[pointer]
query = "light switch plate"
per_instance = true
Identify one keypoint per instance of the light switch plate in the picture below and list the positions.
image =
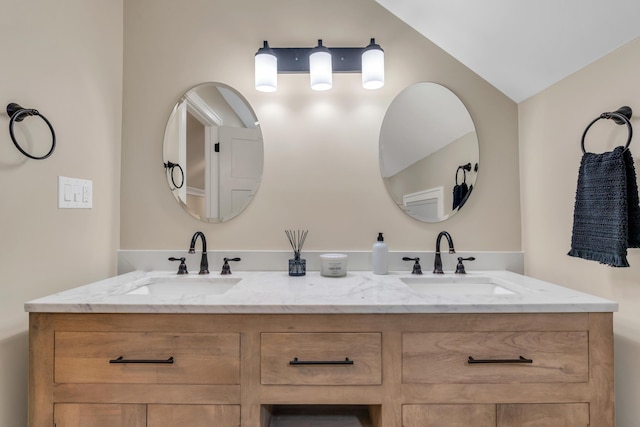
(75, 193)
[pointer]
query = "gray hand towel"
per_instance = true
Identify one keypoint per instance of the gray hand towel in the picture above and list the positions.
(606, 218)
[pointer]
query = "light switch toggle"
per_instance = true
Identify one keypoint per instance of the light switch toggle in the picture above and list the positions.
(68, 192)
(75, 193)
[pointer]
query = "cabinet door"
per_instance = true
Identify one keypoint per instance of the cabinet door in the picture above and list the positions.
(481, 415)
(194, 415)
(544, 415)
(100, 415)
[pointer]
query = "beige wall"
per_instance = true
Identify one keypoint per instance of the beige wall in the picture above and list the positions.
(551, 127)
(63, 58)
(321, 148)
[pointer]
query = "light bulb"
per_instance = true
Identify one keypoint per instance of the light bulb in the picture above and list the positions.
(266, 69)
(320, 68)
(373, 66)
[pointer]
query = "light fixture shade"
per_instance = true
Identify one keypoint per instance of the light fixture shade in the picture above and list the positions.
(373, 66)
(320, 68)
(266, 69)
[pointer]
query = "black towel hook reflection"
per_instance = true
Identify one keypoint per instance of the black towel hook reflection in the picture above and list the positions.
(18, 114)
(464, 168)
(169, 167)
(621, 116)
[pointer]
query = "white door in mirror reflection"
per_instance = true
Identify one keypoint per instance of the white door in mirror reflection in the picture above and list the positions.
(425, 205)
(238, 165)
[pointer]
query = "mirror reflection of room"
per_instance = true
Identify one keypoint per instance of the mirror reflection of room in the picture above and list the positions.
(428, 152)
(215, 137)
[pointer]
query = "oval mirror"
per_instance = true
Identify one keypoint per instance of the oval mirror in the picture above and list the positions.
(213, 152)
(429, 152)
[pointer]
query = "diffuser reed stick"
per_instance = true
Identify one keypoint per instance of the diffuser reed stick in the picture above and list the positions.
(296, 239)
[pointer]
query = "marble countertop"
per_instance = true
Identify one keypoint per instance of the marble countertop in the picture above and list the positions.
(359, 292)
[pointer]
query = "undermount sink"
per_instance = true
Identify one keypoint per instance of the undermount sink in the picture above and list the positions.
(457, 285)
(169, 286)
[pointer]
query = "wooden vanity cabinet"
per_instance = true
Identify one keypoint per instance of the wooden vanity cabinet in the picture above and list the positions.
(99, 415)
(321, 358)
(488, 415)
(476, 415)
(168, 358)
(547, 357)
(136, 415)
(392, 369)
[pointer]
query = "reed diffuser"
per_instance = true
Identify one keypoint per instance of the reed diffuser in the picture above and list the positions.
(297, 265)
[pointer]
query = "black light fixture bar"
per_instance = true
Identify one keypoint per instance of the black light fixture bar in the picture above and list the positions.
(294, 60)
(321, 63)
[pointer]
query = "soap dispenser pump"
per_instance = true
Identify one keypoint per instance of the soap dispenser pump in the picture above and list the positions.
(380, 256)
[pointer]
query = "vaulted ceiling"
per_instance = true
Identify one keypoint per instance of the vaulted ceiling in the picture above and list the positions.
(522, 47)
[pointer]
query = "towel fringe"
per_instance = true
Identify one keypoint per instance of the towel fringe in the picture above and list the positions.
(607, 259)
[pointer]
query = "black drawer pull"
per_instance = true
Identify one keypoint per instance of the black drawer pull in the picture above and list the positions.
(121, 359)
(346, 361)
(521, 359)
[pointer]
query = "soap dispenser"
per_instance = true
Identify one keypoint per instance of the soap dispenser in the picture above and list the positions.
(380, 256)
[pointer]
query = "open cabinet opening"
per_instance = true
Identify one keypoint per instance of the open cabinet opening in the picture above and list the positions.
(320, 416)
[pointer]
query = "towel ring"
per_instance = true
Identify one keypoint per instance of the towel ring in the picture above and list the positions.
(18, 114)
(621, 116)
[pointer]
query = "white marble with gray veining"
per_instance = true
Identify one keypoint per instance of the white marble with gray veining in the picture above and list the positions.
(359, 292)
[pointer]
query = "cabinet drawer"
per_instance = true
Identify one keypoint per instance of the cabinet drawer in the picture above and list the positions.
(321, 358)
(147, 358)
(556, 357)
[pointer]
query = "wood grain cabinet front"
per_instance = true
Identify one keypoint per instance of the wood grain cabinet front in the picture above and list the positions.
(476, 415)
(147, 358)
(100, 415)
(495, 357)
(321, 358)
(193, 415)
(256, 370)
(137, 415)
(544, 415)
(500, 415)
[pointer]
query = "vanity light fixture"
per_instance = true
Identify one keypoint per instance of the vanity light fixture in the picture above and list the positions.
(320, 62)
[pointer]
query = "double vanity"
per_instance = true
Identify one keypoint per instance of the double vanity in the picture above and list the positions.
(259, 349)
(263, 349)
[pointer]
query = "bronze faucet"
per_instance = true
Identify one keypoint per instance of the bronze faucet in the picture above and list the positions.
(204, 261)
(437, 263)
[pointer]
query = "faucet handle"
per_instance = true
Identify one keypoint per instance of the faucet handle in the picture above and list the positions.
(226, 269)
(182, 269)
(460, 266)
(416, 266)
